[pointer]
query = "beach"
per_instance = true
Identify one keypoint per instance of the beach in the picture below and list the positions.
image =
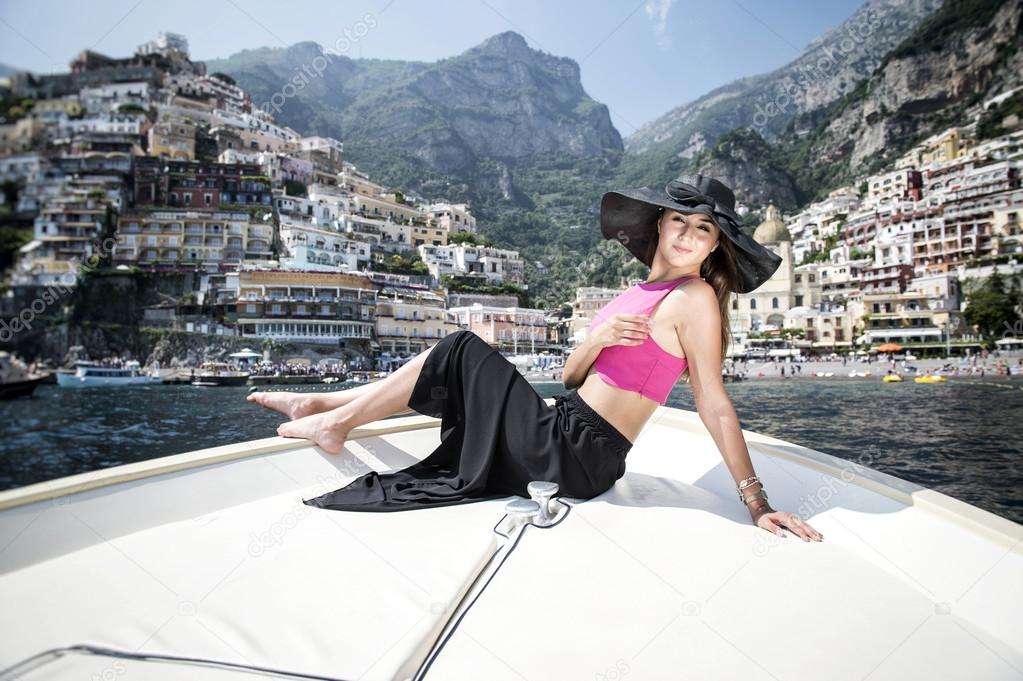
(753, 370)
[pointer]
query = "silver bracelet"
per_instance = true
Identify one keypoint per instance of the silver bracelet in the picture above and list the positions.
(748, 482)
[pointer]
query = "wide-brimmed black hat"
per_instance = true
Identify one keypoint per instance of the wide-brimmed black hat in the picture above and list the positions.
(630, 217)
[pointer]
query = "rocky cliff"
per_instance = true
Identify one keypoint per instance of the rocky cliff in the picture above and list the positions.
(963, 55)
(498, 101)
(828, 68)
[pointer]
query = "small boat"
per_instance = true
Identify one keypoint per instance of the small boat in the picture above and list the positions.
(929, 378)
(94, 374)
(15, 379)
(219, 374)
(207, 564)
(892, 378)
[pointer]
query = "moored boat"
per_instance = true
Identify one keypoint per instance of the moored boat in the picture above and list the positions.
(94, 374)
(219, 374)
(15, 378)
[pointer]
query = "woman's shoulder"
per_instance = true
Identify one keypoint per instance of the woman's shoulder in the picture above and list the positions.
(696, 290)
(693, 298)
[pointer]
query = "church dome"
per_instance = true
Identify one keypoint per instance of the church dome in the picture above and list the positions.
(772, 229)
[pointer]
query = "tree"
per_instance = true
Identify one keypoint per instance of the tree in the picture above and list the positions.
(992, 308)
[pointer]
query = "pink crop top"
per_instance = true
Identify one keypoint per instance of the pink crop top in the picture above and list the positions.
(646, 368)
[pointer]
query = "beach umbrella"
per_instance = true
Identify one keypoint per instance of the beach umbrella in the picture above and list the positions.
(889, 347)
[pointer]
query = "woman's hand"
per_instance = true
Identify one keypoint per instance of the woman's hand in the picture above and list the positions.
(622, 329)
(773, 521)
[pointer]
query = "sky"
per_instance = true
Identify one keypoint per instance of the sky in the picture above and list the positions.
(641, 58)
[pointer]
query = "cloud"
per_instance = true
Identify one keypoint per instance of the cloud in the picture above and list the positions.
(657, 11)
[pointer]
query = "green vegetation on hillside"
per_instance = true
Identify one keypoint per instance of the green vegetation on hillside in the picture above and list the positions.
(949, 21)
(993, 307)
(991, 121)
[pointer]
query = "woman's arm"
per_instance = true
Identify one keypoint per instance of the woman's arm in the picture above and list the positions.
(579, 362)
(700, 335)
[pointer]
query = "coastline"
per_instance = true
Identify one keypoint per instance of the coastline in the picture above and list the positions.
(992, 367)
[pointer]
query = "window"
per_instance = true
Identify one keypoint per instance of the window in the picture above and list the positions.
(774, 303)
(752, 303)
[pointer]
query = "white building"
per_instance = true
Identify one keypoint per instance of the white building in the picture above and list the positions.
(498, 265)
(765, 307)
(452, 217)
(320, 248)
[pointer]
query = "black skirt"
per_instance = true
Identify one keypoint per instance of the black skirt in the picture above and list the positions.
(497, 435)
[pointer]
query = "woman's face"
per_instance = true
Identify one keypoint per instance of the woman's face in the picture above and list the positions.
(686, 240)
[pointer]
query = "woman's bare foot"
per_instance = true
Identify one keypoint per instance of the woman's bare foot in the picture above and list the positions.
(292, 405)
(325, 430)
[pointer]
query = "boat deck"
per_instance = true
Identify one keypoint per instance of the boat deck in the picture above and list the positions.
(212, 555)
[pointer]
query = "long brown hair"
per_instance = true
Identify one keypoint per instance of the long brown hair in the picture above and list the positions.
(718, 269)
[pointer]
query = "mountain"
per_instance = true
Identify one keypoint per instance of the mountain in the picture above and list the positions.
(960, 57)
(427, 126)
(827, 69)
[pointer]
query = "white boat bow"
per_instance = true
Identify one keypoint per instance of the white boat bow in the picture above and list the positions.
(211, 556)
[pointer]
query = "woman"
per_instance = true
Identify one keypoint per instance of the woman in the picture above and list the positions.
(632, 356)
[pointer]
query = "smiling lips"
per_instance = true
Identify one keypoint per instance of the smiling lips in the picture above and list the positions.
(681, 250)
